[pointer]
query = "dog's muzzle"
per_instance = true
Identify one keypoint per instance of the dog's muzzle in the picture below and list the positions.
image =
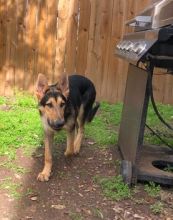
(56, 125)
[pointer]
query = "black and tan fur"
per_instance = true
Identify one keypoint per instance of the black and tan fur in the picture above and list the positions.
(68, 105)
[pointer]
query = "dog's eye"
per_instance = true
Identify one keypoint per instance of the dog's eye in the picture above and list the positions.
(62, 104)
(49, 105)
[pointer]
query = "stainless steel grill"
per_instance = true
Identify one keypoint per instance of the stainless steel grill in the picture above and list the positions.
(152, 28)
(152, 44)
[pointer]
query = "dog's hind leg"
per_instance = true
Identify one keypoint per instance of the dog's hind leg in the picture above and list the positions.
(45, 174)
(70, 143)
(80, 130)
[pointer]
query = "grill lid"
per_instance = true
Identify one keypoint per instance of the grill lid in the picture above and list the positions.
(157, 15)
(153, 29)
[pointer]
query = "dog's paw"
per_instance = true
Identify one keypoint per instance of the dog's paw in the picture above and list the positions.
(43, 177)
(77, 147)
(68, 153)
(76, 150)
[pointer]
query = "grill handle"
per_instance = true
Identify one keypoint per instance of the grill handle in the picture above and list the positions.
(139, 21)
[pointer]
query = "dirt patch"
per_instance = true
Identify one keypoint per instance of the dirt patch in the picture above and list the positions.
(4, 107)
(71, 193)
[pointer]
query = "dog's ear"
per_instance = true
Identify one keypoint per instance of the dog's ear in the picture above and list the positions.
(41, 86)
(63, 85)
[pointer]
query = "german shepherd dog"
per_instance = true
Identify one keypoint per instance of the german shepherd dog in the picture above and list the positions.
(68, 105)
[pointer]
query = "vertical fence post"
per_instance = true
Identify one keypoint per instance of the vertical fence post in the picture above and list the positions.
(62, 24)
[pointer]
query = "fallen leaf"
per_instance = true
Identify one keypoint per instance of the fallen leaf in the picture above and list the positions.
(90, 158)
(136, 216)
(34, 198)
(87, 211)
(118, 210)
(17, 176)
(38, 155)
(60, 207)
(28, 217)
(91, 142)
(80, 195)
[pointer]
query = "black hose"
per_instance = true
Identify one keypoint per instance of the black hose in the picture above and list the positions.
(158, 136)
(150, 72)
(150, 69)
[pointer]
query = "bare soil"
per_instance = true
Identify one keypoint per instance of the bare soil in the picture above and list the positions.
(71, 193)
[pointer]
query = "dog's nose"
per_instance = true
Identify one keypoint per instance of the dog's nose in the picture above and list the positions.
(59, 123)
(56, 125)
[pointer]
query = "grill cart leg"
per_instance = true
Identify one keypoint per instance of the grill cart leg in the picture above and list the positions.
(126, 171)
(140, 162)
(133, 121)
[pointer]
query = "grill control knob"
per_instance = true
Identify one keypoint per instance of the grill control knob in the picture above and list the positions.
(142, 48)
(129, 46)
(139, 48)
(136, 47)
(124, 45)
(120, 45)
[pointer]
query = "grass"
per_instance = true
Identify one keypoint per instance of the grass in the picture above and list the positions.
(105, 125)
(156, 125)
(11, 187)
(114, 187)
(9, 164)
(20, 127)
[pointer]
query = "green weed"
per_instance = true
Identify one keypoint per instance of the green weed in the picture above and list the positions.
(30, 192)
(152, 189)
(139, 201)
(168, 168)
(75, 216)
(157, 208)
(97, 213)
(114, 187)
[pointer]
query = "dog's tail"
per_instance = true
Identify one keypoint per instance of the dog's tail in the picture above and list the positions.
(92, 112)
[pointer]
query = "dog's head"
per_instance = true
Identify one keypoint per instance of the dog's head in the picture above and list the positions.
(52, 100)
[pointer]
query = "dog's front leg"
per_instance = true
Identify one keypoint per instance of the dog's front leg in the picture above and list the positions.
(45, 174)
(70, 143)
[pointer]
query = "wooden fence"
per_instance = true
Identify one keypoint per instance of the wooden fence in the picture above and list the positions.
(72, 36)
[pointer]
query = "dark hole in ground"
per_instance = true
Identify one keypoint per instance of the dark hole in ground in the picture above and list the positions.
(163, 165)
